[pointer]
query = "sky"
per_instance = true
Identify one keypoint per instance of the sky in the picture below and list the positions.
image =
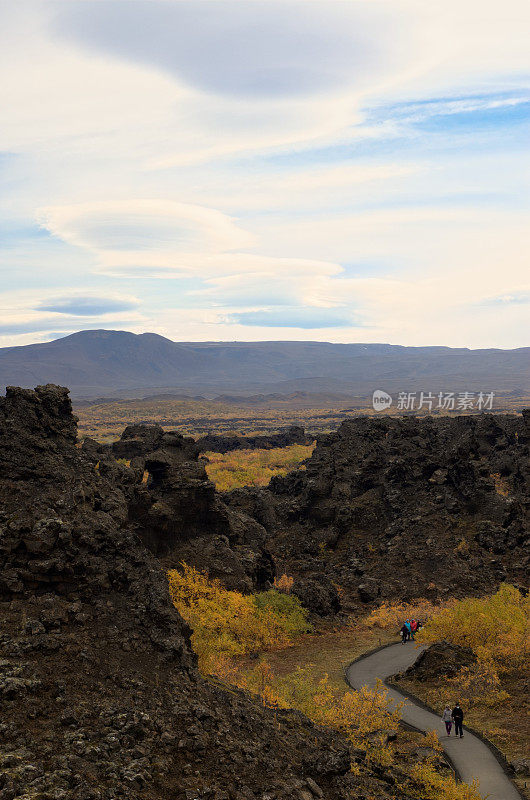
(347, 171)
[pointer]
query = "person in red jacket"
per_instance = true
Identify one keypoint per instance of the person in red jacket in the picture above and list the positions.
(413, 628)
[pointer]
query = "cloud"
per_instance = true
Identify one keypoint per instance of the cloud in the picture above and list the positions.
(41, 313)
(245, 49)
(231, 162)
(43, 325)
(141, 225)
(508, 299)
(87, 306)
(168, 239)
(302, 317)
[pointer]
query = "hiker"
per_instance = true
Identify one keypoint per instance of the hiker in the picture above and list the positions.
(404, 633)
(413, 628)
(458, 717)
(447, 717)
(409, 629)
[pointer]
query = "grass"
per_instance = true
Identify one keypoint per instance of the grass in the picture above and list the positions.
(327, 650)
(254, 467)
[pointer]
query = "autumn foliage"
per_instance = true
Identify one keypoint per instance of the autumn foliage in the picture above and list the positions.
(227, 623)
(364, 717)
(254, 467)
(497, 629)
(391, 617)
(284, 583)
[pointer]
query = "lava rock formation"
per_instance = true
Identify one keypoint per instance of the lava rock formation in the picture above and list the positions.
(100, 694)
(399, 508)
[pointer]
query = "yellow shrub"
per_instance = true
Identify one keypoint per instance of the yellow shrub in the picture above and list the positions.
(227, 623)
(254, 467)
(391, 617)
(432, 740)
(284, 583)
(358, 714)
(496, 628)
(428, 784)
(481, 680)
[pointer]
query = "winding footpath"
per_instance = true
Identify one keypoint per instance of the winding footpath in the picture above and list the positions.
(470, 756)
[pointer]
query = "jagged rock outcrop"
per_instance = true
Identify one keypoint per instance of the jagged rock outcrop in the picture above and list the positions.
(100, 695)
(138, 440)
(318, 594)
(225, 444)
(180, 517)
(64, 526)
(442, 659)
(395, 508)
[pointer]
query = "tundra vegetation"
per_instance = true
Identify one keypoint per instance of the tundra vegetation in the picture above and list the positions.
(254, 467)
(196, 416)
(228, 625)
(105, 420)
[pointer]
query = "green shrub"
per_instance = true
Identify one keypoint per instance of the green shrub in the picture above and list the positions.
(287, 610)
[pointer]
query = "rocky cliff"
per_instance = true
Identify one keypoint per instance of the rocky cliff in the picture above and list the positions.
(396, 508)
(100, 694)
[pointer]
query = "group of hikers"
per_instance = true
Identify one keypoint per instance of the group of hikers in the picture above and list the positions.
(408, 629)
(456, 716)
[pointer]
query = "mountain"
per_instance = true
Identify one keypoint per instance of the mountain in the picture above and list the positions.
(118, 363)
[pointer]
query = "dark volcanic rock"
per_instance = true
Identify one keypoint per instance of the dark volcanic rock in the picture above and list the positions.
(440, 659)
(64, 527)
(318, 595)
(180, 517)
(100, 696)
(396, 508)
(225, 444)
(138, 440)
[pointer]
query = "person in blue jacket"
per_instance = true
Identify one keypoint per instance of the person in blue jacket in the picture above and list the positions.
(409, 628)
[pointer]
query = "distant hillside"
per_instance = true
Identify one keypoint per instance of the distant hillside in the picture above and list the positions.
(118, 363)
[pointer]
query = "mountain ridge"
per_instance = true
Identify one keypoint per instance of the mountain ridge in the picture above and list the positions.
(116, 362)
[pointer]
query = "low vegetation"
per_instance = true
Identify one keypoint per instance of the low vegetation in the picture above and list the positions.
(227, 623)
(390, 617)
(363, 716)
(496, 628)
(228, 627)
(106, 420)
(493, 690)
(254, 467)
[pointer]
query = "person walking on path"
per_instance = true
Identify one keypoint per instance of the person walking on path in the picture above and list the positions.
(447, 717)
(458, 718)
(404, 633)
(409, 629)
(413, 628)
